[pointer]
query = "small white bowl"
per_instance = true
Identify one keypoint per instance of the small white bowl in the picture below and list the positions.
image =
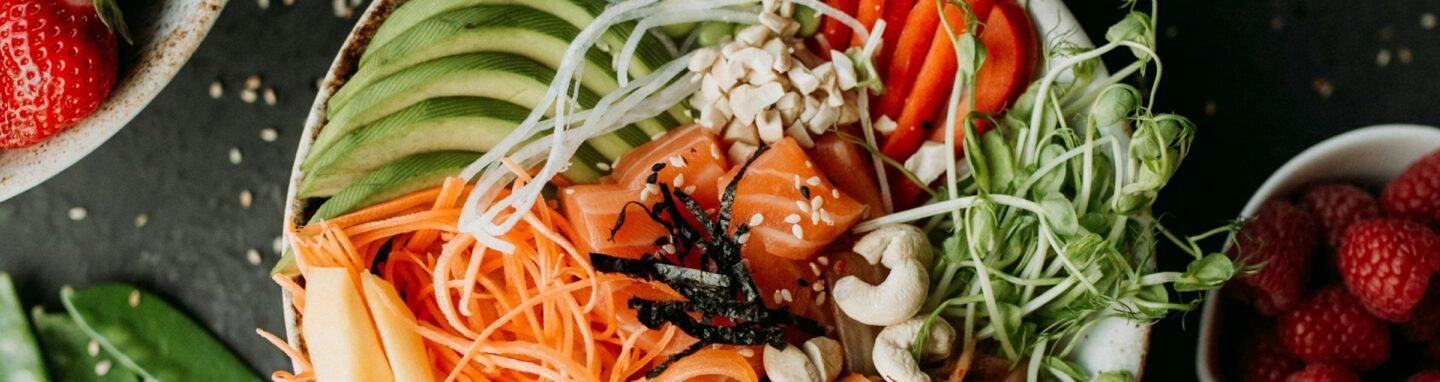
(166, 33)
(1370, 156)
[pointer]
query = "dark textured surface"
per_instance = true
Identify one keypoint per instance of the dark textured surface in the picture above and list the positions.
(1261, 65)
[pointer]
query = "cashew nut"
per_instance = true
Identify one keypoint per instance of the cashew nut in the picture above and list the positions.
(789, 365)
(892, 349)
(902, 248)
(819, 360)
(827, 356)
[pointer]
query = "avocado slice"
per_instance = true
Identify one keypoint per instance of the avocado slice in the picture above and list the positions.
(500, 76)
(439, 124)
(410, 174)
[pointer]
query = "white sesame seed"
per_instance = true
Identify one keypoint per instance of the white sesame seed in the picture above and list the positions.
(690, 189)
(264, 4)
(677, 161)
(246, 198)
(1383, 58)
(269, 134)
(835, 193)
(818, 287)
(77, 213)
(816, 202)
(825, 217)
(792, 219)
(253, 256)
(709, 211)
(235, 156)
(715, 151)
(814, 269)
(679, 180)
(569, 191)
(815, 217)
(278, 245)
(1404, 55)
(248, 96)
(134, 299)
(823, 260)
(786, 294)
(797, 231)
(141, 220)
(1427, 20)
(778, 298)
(808, 164)
(269, 97)
(602, 166)
(652, 188)
(804, 207)
(820, 300)
(103, 367)
(217, 90)
(252, 82)
(288, 2)
(668, 248)
(797, 181)
(645, 194)
(743, 238)
(813, 181)
(93, 348)
(747, 353)
(756, 220)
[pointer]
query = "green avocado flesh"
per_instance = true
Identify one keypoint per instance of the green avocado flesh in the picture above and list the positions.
(404, 176)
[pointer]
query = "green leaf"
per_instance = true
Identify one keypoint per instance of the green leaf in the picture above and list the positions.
(971, 54)
(1207, 273)
(981, 225)
(1135, 27)
(67, 351)
(110, 14)
(1000, 162)
(151, 337)
(1114, 105)
(1060, 214)
(20, 354)
(1051, 181)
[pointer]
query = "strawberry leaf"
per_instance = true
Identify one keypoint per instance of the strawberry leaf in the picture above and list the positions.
(110, 14)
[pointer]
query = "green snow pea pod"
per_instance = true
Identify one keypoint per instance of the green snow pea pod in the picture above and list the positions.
(68, 351)
(151, 337)
(17, 344)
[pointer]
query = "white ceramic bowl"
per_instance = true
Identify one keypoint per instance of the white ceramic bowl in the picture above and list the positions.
(1369, 156)
(1113, 345)
(166, 33)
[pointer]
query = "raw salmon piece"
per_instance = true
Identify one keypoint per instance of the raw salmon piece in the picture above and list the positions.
(593, 210)
(791, 226)
(692, 157)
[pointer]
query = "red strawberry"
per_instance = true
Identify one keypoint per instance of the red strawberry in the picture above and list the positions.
(1338, 205)
(1415, 194)
(1330, 326)
(1387, 264)
(1323, 372)
(1264, 359)
(1283, 238)
(1425, 376)
(58, 60)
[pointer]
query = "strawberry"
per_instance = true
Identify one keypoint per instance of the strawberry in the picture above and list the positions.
(1330, 326)
(1415, 194)
(1338, 205)
(1264, 359)
(1425, 376)
(1323, 372)
(1387, 264)
(58, 59)
(1283, 238)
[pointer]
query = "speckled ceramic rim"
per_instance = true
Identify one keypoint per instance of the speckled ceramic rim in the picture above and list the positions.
(175, 36)
(1371, 156)
(1120, 344)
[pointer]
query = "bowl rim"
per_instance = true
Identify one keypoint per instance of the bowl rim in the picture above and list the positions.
(1049, 17)
(1206, 361)
(157, 63)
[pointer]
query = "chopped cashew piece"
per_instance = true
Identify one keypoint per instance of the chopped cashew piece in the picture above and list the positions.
(885, 125)
(789, 365)
(902, 248)
(892, 356)
(827, 355)
(928, 163)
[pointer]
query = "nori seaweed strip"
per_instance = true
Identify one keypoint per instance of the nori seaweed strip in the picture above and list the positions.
(653, 315)
(692, 349)
(653, 270)
(727, 200)
(737, 311)
(620, 221)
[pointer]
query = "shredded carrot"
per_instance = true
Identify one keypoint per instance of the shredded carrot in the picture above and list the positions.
(539, 313)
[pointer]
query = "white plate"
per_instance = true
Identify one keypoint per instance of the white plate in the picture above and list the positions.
(1369, 156)
(166, 35)
(1113, 345)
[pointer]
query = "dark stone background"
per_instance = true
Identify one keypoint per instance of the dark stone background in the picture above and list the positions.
(1263, 79)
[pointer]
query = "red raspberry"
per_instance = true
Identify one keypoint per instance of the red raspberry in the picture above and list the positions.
(1323, 372)
(1330, 326)
(1415, 194)
(1387, 263)
(1264, 359)
(1338, 205)
(1425, 376)
(1283, 237)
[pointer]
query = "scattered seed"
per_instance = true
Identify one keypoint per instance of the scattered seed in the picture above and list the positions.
(679, 180)
(134, 298)
(820, 300)
(319, 83)
(690, 189)
(823, 260)
(813, 181)
(825, 217)
(247, 95)
(743, 238)
(816, 202)
(246, 198)
(288, 2)
(253, 256)
(93, 348)
(804, 192)
(1383, 58)
(1323, 87)
(797, 181)
(1427, 20)
(235, 156)
(756, 220)
(141, 220)
(786, 294)
(715, 151)
(277, 245)
(217, 90)
(804, 207)
(269, 134)
(603, 166)
(677, 161)
(1404, 55)
(264, 4)
(747, 353)
(252, 82)
(818, 287)
(269, 96)
(669, 248)
(778, 298)
(77, 213)
(792, 219)
(808, 164)
(797, 231)
(814, 269)
(835, 193)
(814, 217)
(103, 367)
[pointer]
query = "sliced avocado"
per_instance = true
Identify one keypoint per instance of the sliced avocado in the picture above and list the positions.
(410, 174)
(513, 29)
(440, 124)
